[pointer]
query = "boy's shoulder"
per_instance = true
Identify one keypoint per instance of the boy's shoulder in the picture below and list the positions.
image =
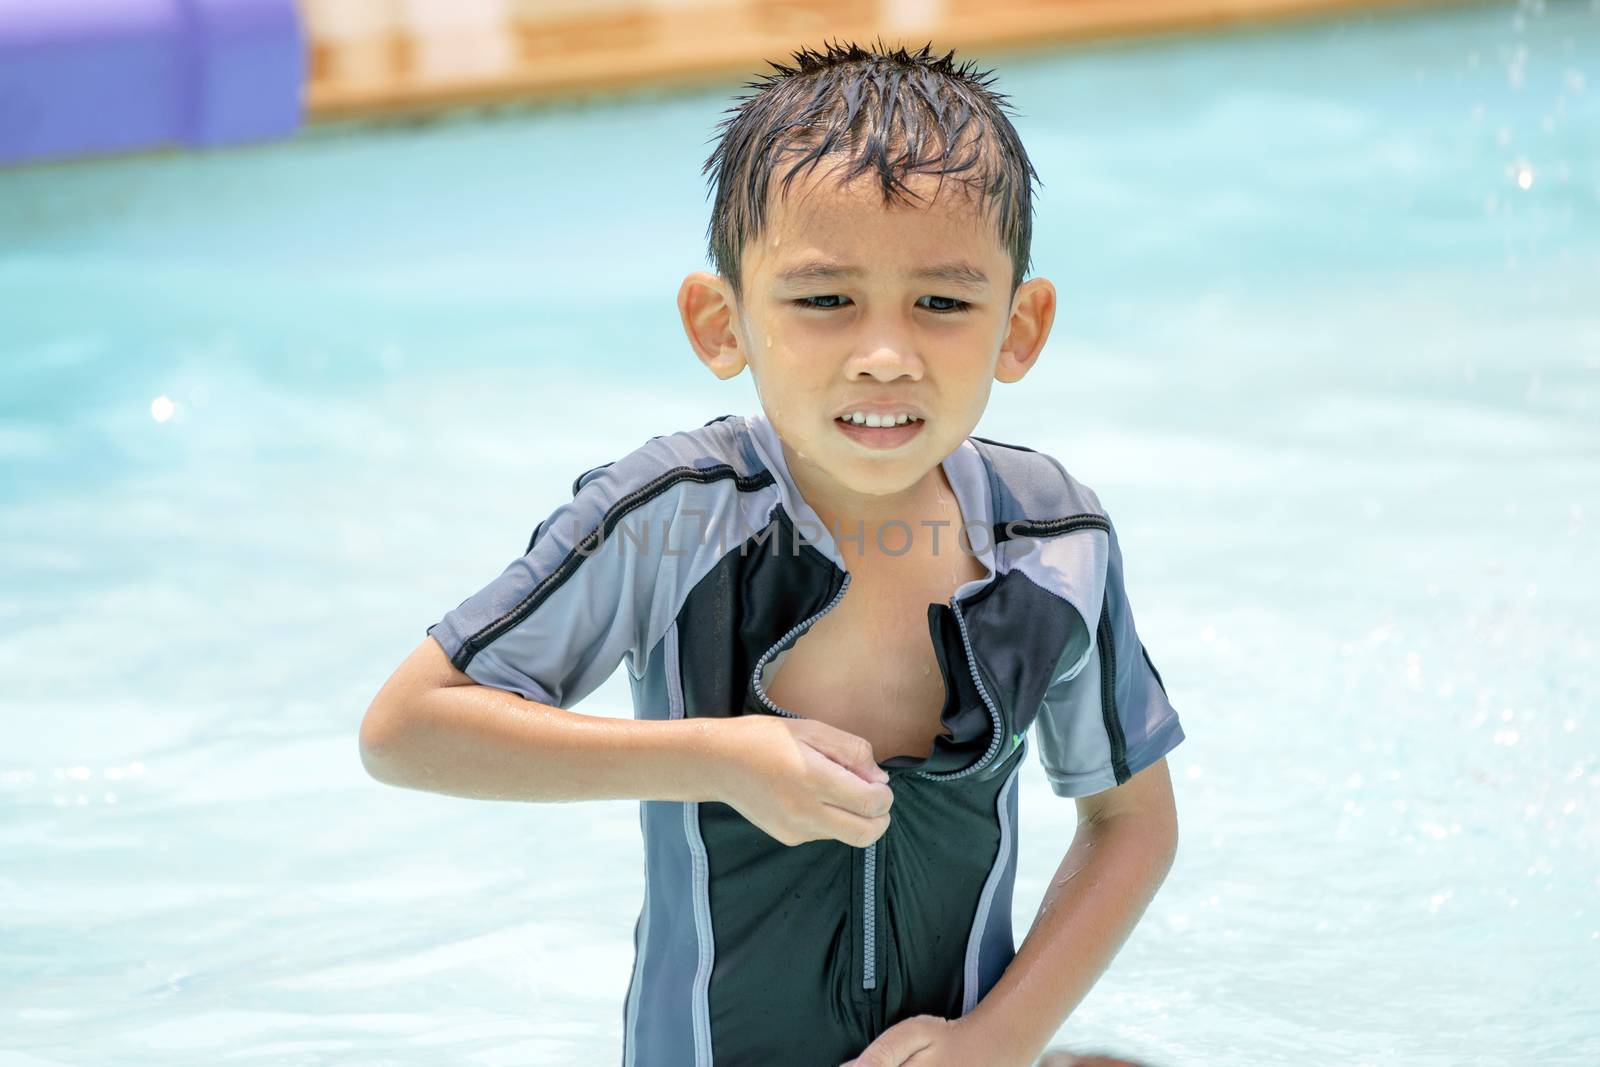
(651, 478)
(1033, 488)
(687, 454)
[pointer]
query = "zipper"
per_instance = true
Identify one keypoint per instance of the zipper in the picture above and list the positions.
(869, 870)
(869, 922)
(783, 642)
(983, 693)
(869, 873)
(972, 665)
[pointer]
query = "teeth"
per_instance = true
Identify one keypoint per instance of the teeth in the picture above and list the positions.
(876, 421)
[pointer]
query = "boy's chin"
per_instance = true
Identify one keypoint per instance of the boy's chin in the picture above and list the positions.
(884, 475)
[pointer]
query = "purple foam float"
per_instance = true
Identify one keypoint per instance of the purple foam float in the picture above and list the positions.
(91, 77)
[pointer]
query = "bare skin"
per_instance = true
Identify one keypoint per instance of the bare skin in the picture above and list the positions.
(868, 666)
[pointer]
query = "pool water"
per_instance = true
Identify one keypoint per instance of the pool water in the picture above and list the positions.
(1329, 338)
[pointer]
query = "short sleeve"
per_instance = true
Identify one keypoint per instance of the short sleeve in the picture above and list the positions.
(1109, 719)
(558, 620)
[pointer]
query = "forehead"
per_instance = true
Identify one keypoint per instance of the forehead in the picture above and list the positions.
(854, 220)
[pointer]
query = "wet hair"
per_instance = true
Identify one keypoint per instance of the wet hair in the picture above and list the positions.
(863, 105)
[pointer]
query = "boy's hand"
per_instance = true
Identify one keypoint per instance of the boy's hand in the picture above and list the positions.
(936, 1041)
(803, 780)
(926, 1039)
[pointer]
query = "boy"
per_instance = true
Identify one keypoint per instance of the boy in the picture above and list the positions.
(773, 581)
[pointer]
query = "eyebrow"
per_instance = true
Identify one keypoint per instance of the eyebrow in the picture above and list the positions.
(957, 273)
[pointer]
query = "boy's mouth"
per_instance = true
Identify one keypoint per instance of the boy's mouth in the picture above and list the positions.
(891, 436)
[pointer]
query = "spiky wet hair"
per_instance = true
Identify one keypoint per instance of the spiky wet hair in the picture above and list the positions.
(866, 104)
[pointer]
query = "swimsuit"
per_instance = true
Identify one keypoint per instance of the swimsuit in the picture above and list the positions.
(695, 560)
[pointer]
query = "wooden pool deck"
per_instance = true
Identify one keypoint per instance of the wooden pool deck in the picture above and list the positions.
(390, 57)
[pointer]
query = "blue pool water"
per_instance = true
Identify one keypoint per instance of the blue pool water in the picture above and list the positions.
(1330, 338)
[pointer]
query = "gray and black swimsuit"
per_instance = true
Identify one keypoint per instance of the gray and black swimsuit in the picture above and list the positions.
(695, 560)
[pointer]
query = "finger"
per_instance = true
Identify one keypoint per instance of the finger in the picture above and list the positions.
(852, 829)
(844, 790)
(850, 751)
(896, 1045)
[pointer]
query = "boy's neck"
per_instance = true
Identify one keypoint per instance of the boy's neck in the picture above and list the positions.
(847, 514)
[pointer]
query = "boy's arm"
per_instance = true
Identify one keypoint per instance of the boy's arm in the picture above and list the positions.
(432, 727)
(1126, 840)
(481, 707)
(1104, 729)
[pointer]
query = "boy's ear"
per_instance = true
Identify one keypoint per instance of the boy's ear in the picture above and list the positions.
(1033, 312)
(705, 303)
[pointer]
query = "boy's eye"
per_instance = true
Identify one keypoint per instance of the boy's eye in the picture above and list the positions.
(811, 302)
(950, 304)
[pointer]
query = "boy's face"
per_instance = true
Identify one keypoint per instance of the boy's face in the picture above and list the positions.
(821, 343)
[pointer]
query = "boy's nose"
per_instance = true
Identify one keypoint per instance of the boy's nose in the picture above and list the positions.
(889, 359)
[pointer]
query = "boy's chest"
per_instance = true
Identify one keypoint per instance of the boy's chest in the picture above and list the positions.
(868, 666)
